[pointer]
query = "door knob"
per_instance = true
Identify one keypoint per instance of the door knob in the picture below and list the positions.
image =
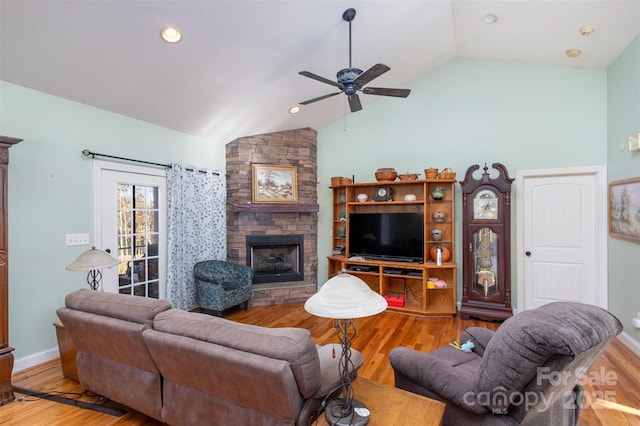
(528, 253)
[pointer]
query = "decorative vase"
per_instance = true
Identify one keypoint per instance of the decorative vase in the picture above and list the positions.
(437, 193)
(445, 253)
(436, 235)
(438, 216)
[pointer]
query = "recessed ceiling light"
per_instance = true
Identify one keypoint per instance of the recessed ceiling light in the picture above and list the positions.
(489, 18)
(171, 34)
(587, 30)
(294, 110)
(573, 53)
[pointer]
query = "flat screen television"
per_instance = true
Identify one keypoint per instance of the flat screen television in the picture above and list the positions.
(387, 236)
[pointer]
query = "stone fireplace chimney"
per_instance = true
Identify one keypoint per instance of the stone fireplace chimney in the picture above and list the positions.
(246, 219)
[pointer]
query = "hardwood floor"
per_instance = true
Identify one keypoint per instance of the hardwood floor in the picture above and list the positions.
(616, 374)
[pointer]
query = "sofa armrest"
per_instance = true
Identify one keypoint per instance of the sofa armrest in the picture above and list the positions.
(329, 368)
(447, 372)
(479, 336)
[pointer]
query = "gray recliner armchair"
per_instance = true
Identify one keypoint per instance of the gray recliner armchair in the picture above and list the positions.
(527, 372)
(221, 285)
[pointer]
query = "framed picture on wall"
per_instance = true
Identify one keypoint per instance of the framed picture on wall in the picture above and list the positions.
(274, 184)
(624, 209)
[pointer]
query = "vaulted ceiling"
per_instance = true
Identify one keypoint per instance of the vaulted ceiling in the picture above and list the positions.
(235, 72)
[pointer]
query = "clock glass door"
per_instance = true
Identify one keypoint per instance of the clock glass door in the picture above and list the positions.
(486, 280)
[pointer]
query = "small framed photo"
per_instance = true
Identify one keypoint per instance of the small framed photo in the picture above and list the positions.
(624, 209)
(274, 184)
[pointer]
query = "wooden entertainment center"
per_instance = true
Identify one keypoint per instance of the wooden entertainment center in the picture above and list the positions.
(428, 287)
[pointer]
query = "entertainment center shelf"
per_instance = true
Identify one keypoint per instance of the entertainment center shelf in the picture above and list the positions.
(409, 281)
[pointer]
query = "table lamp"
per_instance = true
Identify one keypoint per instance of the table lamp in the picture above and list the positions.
(343, 298)
(93, 260)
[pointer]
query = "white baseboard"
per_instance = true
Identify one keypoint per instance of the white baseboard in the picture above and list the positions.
(630, 342)
(35, 359)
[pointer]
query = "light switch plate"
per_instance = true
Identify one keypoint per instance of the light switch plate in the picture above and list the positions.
(77, 239)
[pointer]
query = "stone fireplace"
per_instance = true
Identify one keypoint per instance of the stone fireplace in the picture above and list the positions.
(272, 225)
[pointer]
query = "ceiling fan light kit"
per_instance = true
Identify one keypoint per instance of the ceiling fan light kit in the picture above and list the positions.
(352, 80)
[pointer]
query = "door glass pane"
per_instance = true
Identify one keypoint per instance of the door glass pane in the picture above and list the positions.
(138, 236)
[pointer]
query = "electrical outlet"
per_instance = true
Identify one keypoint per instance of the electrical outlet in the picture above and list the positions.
(77, 239)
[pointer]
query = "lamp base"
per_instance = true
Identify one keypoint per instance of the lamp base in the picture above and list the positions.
(335, 414)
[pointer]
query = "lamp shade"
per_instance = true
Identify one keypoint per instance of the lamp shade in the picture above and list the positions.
(92, 259)
(345, 296)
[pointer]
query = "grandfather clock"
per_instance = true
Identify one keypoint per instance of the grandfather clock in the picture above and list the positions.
(486, 247)
(6, 355)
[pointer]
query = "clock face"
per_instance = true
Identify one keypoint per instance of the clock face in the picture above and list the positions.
(382, 191)
(485, 205)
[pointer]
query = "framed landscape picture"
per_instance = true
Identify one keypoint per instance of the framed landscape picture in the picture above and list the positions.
(274, 184)
(624, 209)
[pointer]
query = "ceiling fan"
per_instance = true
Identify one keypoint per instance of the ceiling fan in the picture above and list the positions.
(352, 80)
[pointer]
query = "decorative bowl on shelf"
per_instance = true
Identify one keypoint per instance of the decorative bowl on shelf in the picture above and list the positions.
(439, 216)
(410, 197)
(408, 176)
(437, 193)
(362, 197)
(386, 174)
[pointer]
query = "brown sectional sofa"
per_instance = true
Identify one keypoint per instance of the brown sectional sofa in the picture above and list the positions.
(185, 368)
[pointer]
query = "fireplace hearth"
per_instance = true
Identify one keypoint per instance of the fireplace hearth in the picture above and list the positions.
(276, 258)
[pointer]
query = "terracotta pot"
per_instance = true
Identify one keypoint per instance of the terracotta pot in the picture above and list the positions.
(446, 254)
(386, 174)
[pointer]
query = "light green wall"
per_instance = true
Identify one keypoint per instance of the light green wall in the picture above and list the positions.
(623, 118)
(50, 195)
(469, 112)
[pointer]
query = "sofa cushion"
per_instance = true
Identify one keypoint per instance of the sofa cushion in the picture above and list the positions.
(293, 345)
(136, 309)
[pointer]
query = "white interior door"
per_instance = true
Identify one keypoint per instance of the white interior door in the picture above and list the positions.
(561, 250)
(130, 222)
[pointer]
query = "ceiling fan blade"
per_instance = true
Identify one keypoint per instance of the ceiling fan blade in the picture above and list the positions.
(399, 93)
(354, 103)
(373, 72)
(319, 98)
(322, 79)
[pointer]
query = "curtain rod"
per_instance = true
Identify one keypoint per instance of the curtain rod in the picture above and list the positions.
(91, 154)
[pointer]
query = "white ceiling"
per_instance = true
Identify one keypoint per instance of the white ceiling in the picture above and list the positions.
(235, 73)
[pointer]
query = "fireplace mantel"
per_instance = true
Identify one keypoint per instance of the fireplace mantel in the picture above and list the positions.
(275, 208)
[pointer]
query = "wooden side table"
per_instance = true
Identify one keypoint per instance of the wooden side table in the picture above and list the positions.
(393, 406)
(67, 353)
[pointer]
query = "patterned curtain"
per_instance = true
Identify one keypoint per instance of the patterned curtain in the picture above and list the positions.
(197, 228)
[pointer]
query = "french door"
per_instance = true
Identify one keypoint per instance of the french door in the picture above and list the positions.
(130, 223)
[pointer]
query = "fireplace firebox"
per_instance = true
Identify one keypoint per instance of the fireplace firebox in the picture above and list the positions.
(276, 258)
